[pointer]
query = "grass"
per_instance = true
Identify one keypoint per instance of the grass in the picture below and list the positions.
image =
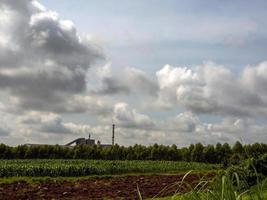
(246, 181)
(78, 168)
(224, 187)
(33, 180)
(203, 197)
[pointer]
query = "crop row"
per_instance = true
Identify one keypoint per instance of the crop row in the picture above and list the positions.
(55, 168)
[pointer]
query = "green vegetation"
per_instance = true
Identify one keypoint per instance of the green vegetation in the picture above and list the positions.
(225, 187)
(246, 181)
(219, 153)
(66, 168)
(251, 171)
(243, 176)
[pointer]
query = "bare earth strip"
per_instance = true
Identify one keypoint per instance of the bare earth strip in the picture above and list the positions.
(124, 187)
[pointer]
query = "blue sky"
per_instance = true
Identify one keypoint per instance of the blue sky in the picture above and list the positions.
(149, 34)
(163, 71)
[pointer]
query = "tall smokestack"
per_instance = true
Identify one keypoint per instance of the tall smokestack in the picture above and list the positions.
(113, 133)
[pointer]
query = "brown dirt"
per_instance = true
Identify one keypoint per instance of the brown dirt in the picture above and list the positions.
(97, 188)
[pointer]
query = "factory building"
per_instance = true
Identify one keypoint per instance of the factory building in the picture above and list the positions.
(89, 141)
(84, 141)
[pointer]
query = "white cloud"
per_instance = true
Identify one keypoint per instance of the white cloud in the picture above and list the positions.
(4, 131)
(214, 89)
(133, 127)
(45, 79)
(183, 122)
(130, 118)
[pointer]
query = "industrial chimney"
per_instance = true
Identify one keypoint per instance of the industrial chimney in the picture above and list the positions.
(113, 132)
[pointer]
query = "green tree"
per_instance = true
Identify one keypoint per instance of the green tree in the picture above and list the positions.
(238, 148)
(209, 154)
(197, 153)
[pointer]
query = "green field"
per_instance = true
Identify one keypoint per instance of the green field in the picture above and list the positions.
(74, 168)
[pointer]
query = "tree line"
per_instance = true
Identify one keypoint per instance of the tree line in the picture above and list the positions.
(219, 153)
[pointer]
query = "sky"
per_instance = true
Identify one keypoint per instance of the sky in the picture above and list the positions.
(166, 72)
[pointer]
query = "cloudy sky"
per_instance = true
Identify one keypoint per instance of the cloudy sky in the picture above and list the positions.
(167, 72)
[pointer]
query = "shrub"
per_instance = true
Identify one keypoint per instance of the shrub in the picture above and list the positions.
(251, 171)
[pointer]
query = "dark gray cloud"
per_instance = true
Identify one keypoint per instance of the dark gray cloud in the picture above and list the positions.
(126, 81)
(43, 61)
(51, 123)
(111, 86)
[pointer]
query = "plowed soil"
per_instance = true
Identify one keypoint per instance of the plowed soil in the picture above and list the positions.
(124, 187)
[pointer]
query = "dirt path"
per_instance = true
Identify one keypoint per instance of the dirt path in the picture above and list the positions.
(96, 188)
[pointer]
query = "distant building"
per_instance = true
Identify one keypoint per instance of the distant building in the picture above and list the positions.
(83, 141)
(89, 141)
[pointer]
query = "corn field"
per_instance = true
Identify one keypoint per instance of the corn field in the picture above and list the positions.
(69, 168)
